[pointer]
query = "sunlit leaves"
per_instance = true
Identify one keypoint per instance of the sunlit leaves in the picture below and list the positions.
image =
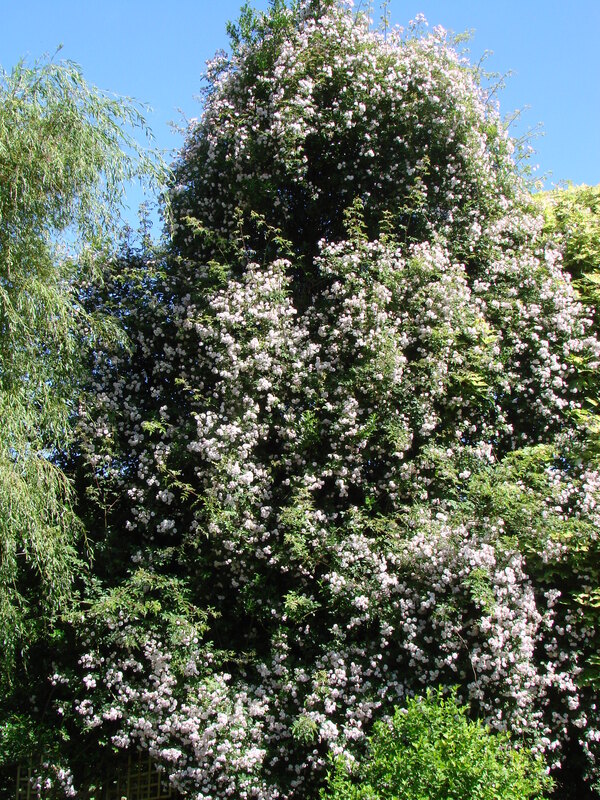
(65, 153)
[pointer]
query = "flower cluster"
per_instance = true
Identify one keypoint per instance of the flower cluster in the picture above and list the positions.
(337, 112)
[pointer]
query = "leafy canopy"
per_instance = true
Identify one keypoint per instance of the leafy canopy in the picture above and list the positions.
(65, 155)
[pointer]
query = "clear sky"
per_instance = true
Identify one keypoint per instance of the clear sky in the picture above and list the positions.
(155, 50)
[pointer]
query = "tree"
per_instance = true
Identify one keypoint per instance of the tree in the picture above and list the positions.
(572, 217)
(65, 155)
(573, 213)
(348, 437)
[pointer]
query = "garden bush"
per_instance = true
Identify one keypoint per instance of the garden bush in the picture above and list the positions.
(430, 750)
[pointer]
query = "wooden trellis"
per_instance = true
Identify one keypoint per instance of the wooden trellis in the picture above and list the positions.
(140, 781)
(25, 773)
(136, 779)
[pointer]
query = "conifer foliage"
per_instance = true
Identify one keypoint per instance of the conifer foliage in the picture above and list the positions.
(344, 459)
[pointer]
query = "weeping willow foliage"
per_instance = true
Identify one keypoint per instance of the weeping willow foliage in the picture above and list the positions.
(66, 150)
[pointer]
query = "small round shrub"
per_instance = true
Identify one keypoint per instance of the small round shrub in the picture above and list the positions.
(430, 750)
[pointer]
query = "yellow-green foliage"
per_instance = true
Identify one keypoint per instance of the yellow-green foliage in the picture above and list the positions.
(573, 214)
(430, 750)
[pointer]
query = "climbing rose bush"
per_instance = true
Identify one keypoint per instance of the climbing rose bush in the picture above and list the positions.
(345, 442)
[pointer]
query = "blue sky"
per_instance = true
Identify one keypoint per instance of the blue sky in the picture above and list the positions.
(155, 51)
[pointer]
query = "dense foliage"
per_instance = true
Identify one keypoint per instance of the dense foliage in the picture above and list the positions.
(350, 452)
(63, 166)
(431, 751)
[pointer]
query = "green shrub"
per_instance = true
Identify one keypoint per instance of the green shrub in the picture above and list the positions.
(430, 750)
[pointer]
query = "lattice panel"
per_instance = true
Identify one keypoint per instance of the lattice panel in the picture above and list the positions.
(138, 779)
(25, 773)
(141, 781)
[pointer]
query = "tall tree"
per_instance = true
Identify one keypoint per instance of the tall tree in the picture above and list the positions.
(65, 155)
(347, 442)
